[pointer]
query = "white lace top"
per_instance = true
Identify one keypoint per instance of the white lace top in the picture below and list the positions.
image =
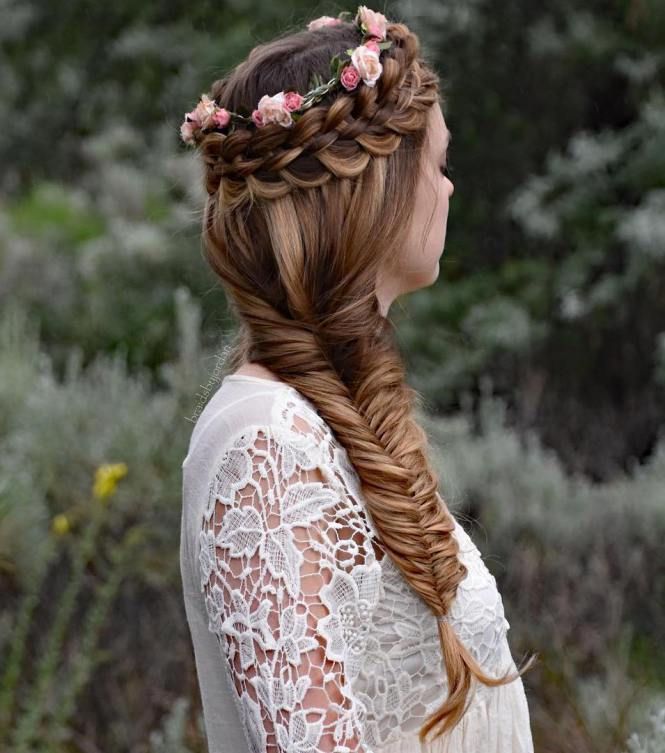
(306, 636)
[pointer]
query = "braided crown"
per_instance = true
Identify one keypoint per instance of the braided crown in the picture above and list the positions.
(286, 108)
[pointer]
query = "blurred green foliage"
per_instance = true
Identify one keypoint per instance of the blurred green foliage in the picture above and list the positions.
(540, 351)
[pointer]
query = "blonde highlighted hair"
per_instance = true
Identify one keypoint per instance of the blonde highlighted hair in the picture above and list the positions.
(298, 222)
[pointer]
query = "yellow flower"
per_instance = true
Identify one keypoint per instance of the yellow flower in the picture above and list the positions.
(106, 479)
(60, 525)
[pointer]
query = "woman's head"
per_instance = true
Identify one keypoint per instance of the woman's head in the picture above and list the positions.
(313, 229)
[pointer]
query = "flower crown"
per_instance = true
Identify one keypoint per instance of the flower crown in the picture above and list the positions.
(285, 108)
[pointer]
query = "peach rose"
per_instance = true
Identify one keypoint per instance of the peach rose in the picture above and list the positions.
(293, 101)
(319, 23)
(372, 44)
(374, 24)
(273, 110)
(350, 77)
(367, 63)
(187, 132)
(203, 112)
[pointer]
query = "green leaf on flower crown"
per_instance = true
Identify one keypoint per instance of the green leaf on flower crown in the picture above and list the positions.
(385, 45)
(316, 81)
(334, 64)
(343, 14)
(349, 52)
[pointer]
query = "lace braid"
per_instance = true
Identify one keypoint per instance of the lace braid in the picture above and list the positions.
(297, 225)
(342, 138)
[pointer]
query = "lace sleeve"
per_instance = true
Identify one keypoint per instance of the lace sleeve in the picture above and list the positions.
(289, 582)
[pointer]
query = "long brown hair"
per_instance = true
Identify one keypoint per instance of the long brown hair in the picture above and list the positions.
(298, 222)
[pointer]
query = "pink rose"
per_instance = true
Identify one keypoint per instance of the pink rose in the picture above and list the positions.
(293, 101)
(273, 110)
(221, 118)
(319, 23)
(367, 63)
(205, 115)
(372, 44)
(373, 23)
(257, 118)
(350, 77)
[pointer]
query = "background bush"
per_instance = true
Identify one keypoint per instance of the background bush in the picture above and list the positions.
(540, 352)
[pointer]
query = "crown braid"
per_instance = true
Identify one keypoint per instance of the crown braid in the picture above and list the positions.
(340, 138)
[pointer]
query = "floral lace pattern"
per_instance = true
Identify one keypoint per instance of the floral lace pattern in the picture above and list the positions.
(326, 644)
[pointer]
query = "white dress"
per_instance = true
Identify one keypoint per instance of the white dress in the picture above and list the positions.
(306, 636)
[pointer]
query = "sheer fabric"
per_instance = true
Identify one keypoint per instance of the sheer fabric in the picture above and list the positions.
(306, 636)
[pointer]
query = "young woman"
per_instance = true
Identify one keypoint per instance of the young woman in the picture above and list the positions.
(335, 604)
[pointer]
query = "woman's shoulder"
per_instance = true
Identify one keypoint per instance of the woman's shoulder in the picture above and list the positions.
(244, 404)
